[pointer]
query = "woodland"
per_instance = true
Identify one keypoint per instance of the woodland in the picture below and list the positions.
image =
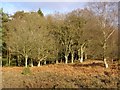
(77, 49)
(30, 38)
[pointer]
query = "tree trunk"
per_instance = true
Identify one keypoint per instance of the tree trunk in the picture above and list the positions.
(72, 59)
(104, 51)
(66, 59)
(56, 61)
(39, 64)
(60, 60)
(85, 56)
(26, 58)
(9, 57)
(17, 61)
(45, 62)
(105, 61)
(81, 59)
(31, 63)
(79, 54)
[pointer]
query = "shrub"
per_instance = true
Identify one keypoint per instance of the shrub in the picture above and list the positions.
(26, 71)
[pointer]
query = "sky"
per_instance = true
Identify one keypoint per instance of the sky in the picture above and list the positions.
(46, 7)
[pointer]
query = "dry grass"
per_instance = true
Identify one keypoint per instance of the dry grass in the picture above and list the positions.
(89, 74)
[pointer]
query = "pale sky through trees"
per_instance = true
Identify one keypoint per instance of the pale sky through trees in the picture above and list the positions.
(46, 7)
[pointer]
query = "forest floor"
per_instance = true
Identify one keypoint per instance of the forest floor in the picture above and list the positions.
(90, 74)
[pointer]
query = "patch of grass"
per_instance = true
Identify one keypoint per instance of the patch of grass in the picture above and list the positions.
(26, 71)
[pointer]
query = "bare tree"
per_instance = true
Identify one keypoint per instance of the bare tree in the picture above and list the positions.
(106, 12)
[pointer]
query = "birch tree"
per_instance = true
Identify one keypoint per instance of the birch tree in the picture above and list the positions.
(107, 18)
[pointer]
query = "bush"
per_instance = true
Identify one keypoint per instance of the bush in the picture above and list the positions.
(26, 71)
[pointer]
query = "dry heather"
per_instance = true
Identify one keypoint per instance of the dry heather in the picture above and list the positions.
(90, 74)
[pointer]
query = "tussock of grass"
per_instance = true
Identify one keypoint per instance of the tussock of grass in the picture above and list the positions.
(26, 71)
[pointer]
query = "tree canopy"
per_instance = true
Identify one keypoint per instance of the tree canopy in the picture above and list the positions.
(81, 34)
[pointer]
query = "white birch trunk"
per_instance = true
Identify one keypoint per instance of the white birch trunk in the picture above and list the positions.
(81, 59)
(85, 56)
(79, 54)
(31, 63)
(66, 59)
(39, 63)
(26, 58)
(104, 50)
(72, 59)
(56, 61)
(45, 62)
(106, 64)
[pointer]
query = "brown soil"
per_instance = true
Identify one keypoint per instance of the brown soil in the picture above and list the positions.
(90, 74)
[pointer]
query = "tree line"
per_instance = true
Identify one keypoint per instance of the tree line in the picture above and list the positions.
(34, 39)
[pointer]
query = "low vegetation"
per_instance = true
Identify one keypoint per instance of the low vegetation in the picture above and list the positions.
(86, 75)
